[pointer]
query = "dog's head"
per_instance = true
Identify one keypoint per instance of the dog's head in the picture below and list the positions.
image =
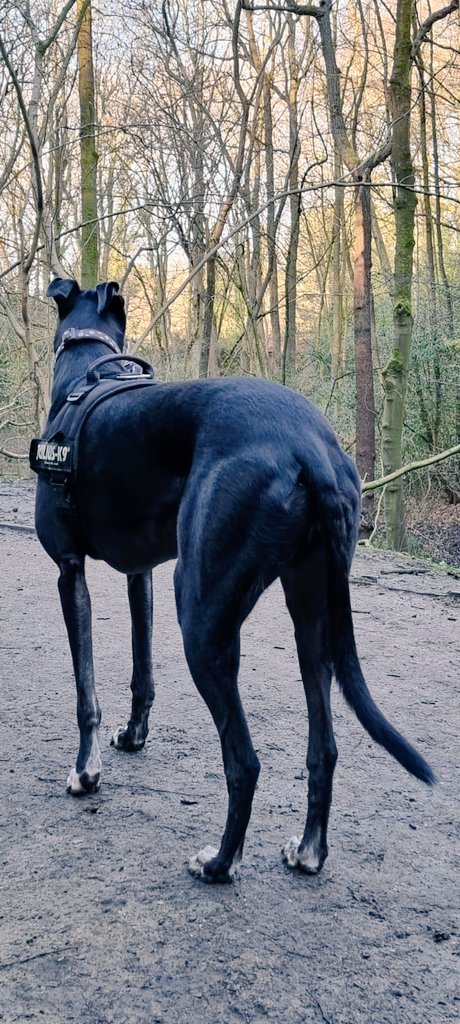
(101, 308)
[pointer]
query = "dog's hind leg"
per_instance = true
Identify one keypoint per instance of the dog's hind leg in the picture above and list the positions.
(213, 652)
(214, 666)
(76, 607)
(140, 595)
(306, 598)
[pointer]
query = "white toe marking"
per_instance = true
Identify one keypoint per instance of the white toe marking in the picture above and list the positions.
(92, 769)
(197, 862)
(309, 858)
(309, 861)
(116, 735)
(291, 851)
(73, 783)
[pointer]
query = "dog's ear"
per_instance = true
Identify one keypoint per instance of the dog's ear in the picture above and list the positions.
(64, 291)
(105, 295)
(109, 300)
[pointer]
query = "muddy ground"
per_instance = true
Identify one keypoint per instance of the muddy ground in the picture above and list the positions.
(100, 921)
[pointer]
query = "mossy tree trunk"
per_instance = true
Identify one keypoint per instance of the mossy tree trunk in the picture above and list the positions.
(396, 372)
(88, 154)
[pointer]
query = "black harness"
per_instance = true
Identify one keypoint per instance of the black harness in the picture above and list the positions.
(54, 457)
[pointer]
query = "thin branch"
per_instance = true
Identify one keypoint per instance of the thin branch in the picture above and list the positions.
(45, 44)
(14, 153)
(426, 26)
(376, 518)
(130, 265)
(9, 312)
(372, 485)
(34, 956)
(320, 186)
(12, 455)
(242, 224)
(288, 8)
(35, 157)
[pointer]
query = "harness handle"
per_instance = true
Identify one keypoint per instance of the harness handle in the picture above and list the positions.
(93, 376)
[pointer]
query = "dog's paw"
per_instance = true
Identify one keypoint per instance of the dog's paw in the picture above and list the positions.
(290, 852)
(202, 865)
(197, 862)
(125, 739)
(79, 785)
(309, 859)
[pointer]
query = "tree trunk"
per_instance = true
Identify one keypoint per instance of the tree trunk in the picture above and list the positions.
(208, 319)
(435, 417)
(198, 219)
(365, 411)
(271, 229)
(396, 372)
(381, 249)
(225, 207)
(365, 425)
(265, 349)
(289, 354)
(88, 154)
(59, 160)
(337, 307)
(439, 239)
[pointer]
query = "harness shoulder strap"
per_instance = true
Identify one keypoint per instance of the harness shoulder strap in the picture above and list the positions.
(54, 457)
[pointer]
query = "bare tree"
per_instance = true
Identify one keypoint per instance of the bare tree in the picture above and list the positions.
(88, 154)
(396, 371)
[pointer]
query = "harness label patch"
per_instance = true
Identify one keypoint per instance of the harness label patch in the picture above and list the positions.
(49, 455)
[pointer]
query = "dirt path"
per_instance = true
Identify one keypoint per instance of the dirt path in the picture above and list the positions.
(100, 921)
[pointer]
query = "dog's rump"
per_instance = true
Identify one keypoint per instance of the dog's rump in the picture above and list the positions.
(333, 505)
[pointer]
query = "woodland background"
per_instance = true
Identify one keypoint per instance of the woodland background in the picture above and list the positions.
(276, 188)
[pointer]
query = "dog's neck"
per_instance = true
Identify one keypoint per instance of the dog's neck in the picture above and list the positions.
(70, 371)
(75, 336)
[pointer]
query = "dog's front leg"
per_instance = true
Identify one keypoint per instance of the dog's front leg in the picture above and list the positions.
(76, 606)
(140, 595)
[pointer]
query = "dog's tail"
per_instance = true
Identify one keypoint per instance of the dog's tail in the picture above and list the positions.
(331, 512)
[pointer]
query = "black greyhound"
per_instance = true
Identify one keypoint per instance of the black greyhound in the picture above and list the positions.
(243, 481)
